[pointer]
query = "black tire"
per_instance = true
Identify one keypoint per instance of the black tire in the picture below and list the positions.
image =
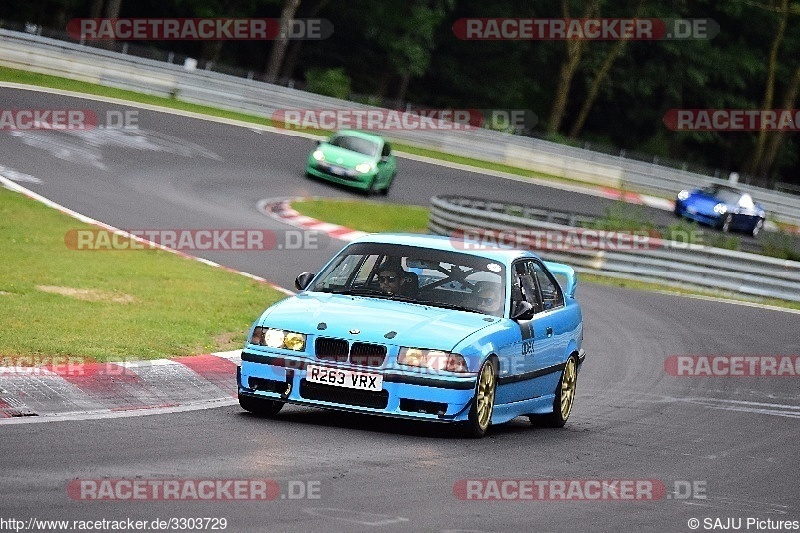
(385, 190)
(480, 412)
(757, 228)
(371, 190)
(564, 400)
(259, 406)
(726, 223)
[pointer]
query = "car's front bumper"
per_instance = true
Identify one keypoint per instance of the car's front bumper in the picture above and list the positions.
(692, 213)
(341, 175)
(405, 394)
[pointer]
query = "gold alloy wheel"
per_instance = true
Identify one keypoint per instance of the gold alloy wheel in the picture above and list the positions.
(568, 382)
(486, 388)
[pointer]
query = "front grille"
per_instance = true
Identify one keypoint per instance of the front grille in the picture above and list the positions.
(331, 349)
(342, 395)
(367, 354)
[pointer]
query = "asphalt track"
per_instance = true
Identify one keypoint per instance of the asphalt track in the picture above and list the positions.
(733, 438)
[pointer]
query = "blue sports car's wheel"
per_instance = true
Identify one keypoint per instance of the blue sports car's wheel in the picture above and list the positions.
(260, 407)
(565, 397)
(757, 228)
(480, 414)
(726, 223)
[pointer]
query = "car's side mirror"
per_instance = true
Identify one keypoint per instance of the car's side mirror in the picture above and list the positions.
(302, 281)
(317, 142)
(522, 310)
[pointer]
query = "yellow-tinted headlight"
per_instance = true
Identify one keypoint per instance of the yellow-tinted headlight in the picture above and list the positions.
(295, 341)
(434, 360)
(278, 338)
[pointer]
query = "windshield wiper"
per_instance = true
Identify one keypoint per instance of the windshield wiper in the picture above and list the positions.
(445, 305)
(364, 291)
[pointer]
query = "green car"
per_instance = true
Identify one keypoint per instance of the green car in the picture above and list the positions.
(360, 160)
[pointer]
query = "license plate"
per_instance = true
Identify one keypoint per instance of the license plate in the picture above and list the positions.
(344, 378)
(336, 170)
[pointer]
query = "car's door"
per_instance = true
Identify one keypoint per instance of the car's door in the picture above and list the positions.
(386, 165)
(539, 352)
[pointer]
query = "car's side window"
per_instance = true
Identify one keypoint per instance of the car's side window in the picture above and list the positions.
(523, 286)
(552, 297)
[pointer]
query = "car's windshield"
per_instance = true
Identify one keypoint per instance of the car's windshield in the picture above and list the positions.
(355, 144)
(724, 194)
(450, 280)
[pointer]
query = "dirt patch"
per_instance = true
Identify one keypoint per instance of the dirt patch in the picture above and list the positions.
(227, 341)
(89, 295)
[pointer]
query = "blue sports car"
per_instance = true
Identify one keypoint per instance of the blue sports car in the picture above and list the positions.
(723, 207)
(422, 327)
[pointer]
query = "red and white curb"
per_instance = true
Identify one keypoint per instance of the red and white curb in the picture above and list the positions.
(70, 388)
(281, 209)
(636, 198)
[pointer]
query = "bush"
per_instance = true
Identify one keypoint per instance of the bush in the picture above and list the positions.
(781, 245)
(622, 216)
(329, 82)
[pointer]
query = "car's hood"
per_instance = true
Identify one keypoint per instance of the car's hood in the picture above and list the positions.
(413, 325)
(344, 157)
(702, 202)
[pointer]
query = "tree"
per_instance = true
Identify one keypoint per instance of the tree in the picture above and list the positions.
(575, 49)
(282, 42)
(599, 77)
(756, 164)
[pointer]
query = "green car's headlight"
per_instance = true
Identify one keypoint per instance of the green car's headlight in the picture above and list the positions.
(363, 167)
(278, 338)
(435, 360)
(318, 155)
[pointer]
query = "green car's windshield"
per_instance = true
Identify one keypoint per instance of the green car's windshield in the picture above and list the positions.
(355, 144)
(449, 280)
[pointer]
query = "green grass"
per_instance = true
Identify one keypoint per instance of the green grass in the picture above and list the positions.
(65, 84)
(372, 217)
(175, 306)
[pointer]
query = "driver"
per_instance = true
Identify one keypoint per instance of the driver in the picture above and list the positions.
(487, 298)
(393, 279)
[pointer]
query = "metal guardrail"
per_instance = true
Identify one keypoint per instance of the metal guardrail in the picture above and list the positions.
(659, 261)
(60, 58)
(744, 244)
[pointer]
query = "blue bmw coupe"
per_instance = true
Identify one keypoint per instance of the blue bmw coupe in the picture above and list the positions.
(422, 327)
